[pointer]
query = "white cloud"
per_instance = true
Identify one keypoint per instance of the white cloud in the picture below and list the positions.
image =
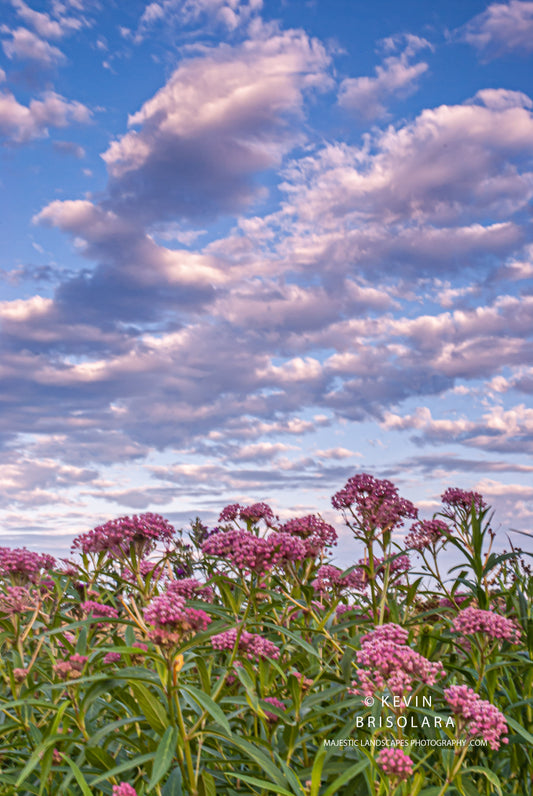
(45, 25)
(20, 123)
(221, 119)
(397, 77)
(229, 14)
(25, 45)
(502, 28)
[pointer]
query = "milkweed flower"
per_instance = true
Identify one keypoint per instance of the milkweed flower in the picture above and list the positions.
(278, 704)
(94, 609)
(72, 667)
(172, 620)
(252, 645)
(242, 548)
(24, 566)
(124, 790)
(474, 620)
(479, 718)
(17, 600)
(387, 662)
(462, 499)
(331, 579)
(316, 533)
(425, 533)
(112, 657)
(376, 503)
(395, 763)
(190, 589)
(249, 514)
(116, 536)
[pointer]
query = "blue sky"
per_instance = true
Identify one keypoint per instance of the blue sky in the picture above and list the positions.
(252, 248)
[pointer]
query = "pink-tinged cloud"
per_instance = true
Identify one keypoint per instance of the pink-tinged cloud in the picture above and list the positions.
(396, 78)
(220, 120)
(27, 46)
(45, 25)
(499, 429)
(21, 123)
(502, 29)
(228, 14)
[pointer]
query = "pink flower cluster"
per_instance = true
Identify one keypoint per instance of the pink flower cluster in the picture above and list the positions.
(397, 566)
(474, 620)
(23, 565)
(389, 663)
(425, 533)
(124, 790)
(395, 763)
(92, 608)
(191, 589)
(459, 598)
(252, 645)
(461, 499)
(112, 657)
(242, 548)
(249, 514)
(116, 536)
(376, 502)
(72, 667)
(277, 704)
(172, 619)
(17, 600)
(480, 717)
(253, 553)
(316, 533)
(331, 579)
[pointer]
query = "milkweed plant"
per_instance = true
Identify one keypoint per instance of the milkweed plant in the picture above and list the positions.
(240, 660)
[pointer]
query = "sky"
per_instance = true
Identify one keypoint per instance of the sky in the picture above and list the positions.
(250, 248)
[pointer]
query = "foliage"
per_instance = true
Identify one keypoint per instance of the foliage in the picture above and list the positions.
(246, 663)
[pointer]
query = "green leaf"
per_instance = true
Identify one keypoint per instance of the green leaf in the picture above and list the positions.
(316, 772)
(152, 709)
(99, 735)
(35, 758)
(99, 758)
(261, 783)
(467, 787)
(263, 761)
(209, 705)
(346, 776)
(78, 776)
(295, 637)
(490, 775)
(206, 784)
(164, 756)
(173, 784)
(137, 762)
(519, 729)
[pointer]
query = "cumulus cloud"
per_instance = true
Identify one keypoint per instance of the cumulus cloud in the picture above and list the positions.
(25, 45)
(20, 123)
(44, 24)
(499, 429)
(396, 77)
(230, 14)
(426, 196)
(220, 120)
(502, 28)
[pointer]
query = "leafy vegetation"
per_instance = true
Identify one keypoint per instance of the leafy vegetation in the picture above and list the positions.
(241, 661)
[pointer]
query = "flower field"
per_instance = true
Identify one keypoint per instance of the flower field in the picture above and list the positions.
(240, 660)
